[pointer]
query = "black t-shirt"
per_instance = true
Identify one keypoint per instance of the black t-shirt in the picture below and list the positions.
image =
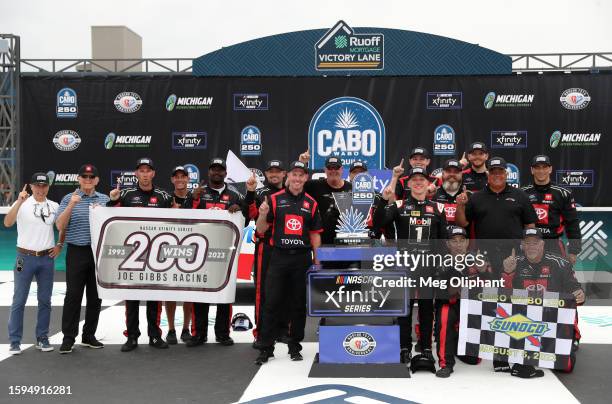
(138, 198)
(500, 215)
(474, 181)
(179, 200)
(293, 218)
(322, 192)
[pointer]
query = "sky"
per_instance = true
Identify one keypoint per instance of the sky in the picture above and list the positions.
(188, 29)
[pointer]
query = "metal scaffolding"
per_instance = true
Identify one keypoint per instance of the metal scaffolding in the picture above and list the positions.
(567, 62)
(9, 118)
(108, 66)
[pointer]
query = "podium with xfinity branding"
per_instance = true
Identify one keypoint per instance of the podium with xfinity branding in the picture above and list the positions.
(358, 333)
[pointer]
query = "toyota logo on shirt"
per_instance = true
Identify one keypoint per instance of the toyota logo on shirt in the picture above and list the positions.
(294, 224)
(153, 200)
(450, 209)
(542, 212)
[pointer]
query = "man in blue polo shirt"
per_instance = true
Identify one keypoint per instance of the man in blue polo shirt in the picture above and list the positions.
(80, 265)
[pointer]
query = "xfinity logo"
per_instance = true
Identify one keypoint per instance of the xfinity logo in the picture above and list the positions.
(576, 178)
(508, 139)
(356, 296)
(189, 140)
(444, 100)
(250, 102)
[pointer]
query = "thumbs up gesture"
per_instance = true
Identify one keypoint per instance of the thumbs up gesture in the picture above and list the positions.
(251, 183)
(305, 157)
(75, 198)
(115, 192)
(398, 170)
(510, 262)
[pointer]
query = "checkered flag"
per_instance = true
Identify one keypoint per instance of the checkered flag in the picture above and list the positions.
(518, 326)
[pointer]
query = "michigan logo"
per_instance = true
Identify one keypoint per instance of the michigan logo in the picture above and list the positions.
(348, 128)
(519, 327)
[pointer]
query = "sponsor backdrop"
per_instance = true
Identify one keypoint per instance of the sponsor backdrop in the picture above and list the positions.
(186, 120)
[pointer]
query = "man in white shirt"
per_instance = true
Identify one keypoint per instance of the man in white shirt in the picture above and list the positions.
(36, 249)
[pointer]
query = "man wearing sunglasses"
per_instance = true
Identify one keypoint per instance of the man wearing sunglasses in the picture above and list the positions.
(73, 218)
(36, 250)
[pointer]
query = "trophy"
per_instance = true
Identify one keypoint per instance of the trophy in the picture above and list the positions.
(354, 207)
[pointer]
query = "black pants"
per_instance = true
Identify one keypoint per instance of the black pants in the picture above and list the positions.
(132, 308)
(426, 314)
(286, 279)
(80, 276)
(222, 319)
(447, 332)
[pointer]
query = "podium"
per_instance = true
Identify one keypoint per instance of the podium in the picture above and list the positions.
(358, 333)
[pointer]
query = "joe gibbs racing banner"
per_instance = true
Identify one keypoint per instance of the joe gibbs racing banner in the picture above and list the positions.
(166, 254)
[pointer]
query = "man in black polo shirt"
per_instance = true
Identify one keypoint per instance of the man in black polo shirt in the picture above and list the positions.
(450, 189)
(556, 210)
(296, 226)
(216, 194)
(475, 176)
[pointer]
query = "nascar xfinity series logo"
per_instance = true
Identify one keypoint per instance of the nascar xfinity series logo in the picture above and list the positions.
(185, 103)
(575, 98)
(503, 139)
(444, 100)
(66, 105)
(250, 102)
(359, 343)
(557, 138)
(66, 140)
(125, 178)
(128, 102)
(342, 49)
(349, 128)
(189, 140)
(493, 99)
(576, 178)
(518, 327)
(127, 142)
(444, 140)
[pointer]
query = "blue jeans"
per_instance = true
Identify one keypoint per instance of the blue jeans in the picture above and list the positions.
(43, 269)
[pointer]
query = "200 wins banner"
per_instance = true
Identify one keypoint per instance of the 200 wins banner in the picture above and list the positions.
(166, 254)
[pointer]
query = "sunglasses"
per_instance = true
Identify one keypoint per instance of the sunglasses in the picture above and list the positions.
(88, 177)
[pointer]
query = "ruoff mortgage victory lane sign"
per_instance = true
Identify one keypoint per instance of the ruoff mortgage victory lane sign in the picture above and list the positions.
(342, 49)
(166, 254)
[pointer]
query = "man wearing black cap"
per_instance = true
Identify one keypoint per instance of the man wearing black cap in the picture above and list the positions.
(293, 215)
(419, 222)
(556, 210)
(216, 194)
(451, 187)
(179, 180)
(322, 191)
(419, 157)
(475, 176)
(275, 177)
(145, 195)
(538, 272)
(73, 218)
(36, 251)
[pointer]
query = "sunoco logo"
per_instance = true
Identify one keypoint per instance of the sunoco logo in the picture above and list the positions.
(444, 100)
(181, 103)
(557, 138)
(359, 343)
(66, 106)
(66, 140)
(62, 178)
(128, 142)
(518, 327)
(128, 102)
(576, 178)
(250, 102)
(575, 98)
(507, 100)
(189, 140)
(349, 128)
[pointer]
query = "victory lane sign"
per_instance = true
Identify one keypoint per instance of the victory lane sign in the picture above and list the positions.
(166, 254)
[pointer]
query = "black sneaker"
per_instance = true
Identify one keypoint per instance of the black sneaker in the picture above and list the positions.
(225, 341)
(444, 372)
(92, 342)
(526, 371)
(405, 356)
(171, 337)
(196, 341)
(66, 347)
(296, 356)
(263, 357)
(185, 335)
(158, 342)
(501, 366)
(130, 345)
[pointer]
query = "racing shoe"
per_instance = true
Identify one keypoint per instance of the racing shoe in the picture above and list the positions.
(526, 371)
(444, 372)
